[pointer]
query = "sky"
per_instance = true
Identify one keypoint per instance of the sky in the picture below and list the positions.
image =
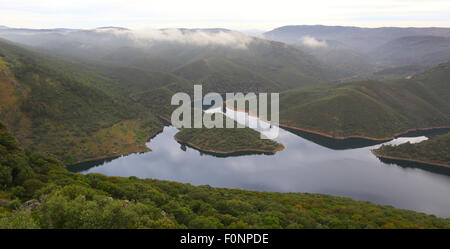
(232, 14)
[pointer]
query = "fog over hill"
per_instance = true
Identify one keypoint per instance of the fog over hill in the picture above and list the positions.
(363, 39)
(176, 50)
(368, 50)
(286, 57)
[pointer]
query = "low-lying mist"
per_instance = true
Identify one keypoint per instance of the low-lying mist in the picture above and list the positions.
(118, 37)
(226, 38)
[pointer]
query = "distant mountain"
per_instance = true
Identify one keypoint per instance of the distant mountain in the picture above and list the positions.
(211, 30)
(112, 27)
(365, 50)
(180, 50)
(361, 39)
(337, 54)
(420, 50)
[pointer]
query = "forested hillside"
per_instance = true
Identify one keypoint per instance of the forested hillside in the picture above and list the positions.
(53, 107)
(371, 108)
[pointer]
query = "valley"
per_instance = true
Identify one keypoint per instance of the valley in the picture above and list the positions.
(85, 129)
(301, 165)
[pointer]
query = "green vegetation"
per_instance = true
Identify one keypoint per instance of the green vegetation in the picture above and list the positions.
(80, 113)
(158, 99)
(227, 140)
(51, 106)
(38, 192)
(370, 108)
(221, 75)
(432, 151)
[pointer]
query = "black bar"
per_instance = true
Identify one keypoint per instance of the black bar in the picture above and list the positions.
(223, 238)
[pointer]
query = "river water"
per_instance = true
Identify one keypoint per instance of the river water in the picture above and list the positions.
(303, 166)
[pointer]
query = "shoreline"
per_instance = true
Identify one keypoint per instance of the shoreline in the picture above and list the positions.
(409, 160)
(165, 119)
(231, 153)
(150, 137)
(396, 135)
(225, 153)
(320, 133)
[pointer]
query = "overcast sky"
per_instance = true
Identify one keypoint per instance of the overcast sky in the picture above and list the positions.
(233, 14)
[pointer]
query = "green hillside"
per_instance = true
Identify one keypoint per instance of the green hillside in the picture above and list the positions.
(38, 192)
(261, 65)
(432, 151)
(97, 110)
(371, 108)
(221, 75)
(52, 106)
(339, 56)
(260, 59)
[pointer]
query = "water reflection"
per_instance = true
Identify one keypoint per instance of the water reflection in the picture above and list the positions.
(335, 144)
(408, 164)
(303, 166)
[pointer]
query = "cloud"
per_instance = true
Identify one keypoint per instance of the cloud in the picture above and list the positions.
(313, 42)
(147, 37)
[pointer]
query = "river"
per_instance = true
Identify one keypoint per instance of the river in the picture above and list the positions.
(303, 166)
